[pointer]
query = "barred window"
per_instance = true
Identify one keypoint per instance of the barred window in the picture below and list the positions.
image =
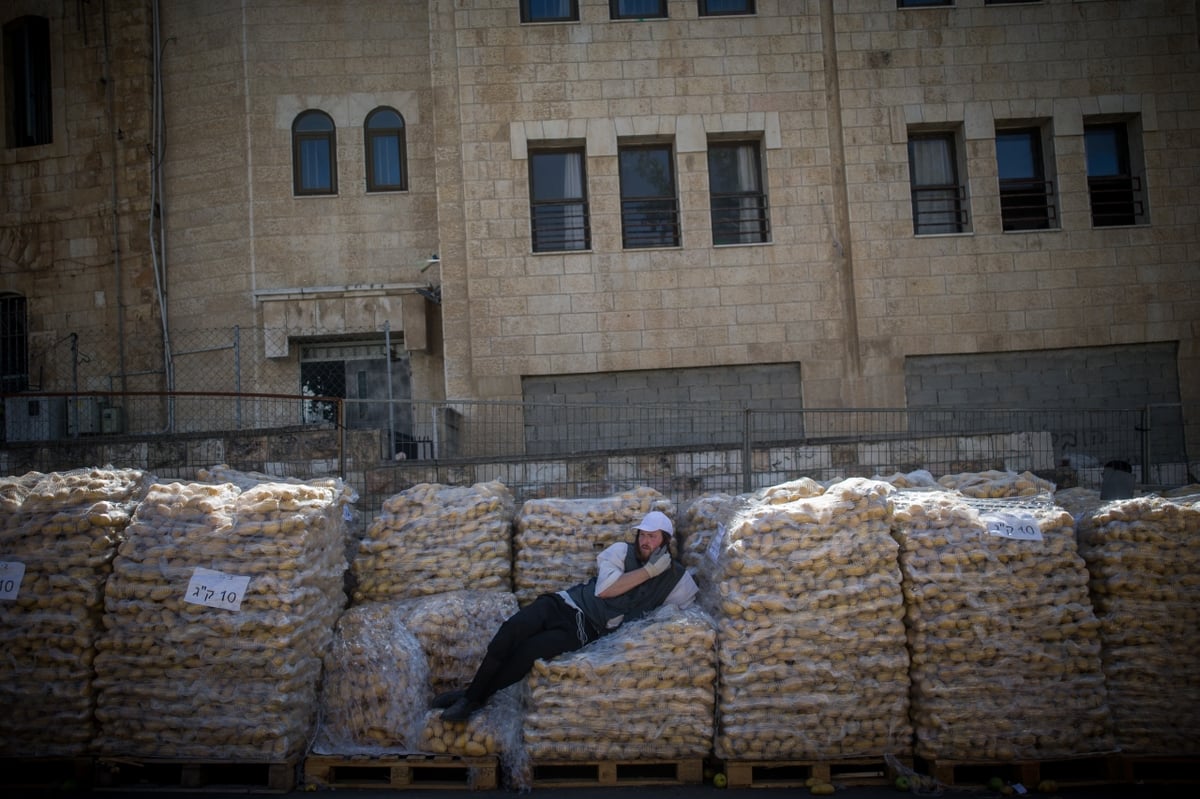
(558, 200)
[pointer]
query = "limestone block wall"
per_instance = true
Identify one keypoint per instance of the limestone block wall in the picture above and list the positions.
(244, 248)
(75, 212)
(970, 69)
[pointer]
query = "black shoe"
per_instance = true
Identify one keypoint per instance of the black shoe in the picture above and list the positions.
(443, 701)
(461, 710)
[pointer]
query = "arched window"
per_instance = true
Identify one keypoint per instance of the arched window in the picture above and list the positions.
(314, 154)
(386, 151)
(14, 343)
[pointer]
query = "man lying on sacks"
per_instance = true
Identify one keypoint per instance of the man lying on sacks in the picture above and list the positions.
(632, 579)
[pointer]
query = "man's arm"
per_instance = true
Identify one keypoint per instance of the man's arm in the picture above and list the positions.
(612, 579)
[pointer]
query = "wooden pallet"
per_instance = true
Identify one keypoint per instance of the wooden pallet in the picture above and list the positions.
(400, 771)
(1072, 771)
(593, 773)
(1157, 769)
(45, 773)
(799, 773)
(158, 774)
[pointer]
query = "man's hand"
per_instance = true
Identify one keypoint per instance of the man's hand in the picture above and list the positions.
(658, 562)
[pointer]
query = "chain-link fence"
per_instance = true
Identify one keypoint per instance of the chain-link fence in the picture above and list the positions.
(560, 449)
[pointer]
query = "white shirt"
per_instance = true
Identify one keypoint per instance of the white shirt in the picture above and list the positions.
(611, 565)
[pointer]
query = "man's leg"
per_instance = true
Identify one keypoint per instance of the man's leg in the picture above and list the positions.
(545, 628)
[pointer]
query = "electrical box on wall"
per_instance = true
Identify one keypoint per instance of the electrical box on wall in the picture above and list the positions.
(34, 418)
(83, 416)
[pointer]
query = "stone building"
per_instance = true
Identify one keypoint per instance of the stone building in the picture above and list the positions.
(790, 203)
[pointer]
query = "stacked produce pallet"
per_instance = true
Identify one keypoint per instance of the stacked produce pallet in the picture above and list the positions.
(557, 540)
(807, 598)
(1144, 563)
(1005, 644)
(58, 535)
(220, 607)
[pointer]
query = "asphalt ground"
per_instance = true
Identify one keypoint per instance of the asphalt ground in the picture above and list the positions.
(1118, 791)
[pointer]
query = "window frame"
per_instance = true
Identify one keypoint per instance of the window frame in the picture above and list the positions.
(614, 11)
(1027, 202)
(538, 243)
(1123, 192)
(903, 4)
(379, 134)
(704, 11)
(28, 82)
(302, 137)
(14, 342)
(669, 212)
(953, 192)
(734, 217)
(527, 15)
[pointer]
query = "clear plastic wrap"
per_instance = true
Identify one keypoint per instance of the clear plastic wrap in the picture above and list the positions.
(454, 630)
(557, 540)
(809, 610)
(996, 484)
(181, 675)
(375, 687)
(432, 539)
(644, 691)
(61, 530)
(1005, 644)
(1144, 563)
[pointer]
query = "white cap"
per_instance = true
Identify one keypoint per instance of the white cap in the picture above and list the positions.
(656, 520)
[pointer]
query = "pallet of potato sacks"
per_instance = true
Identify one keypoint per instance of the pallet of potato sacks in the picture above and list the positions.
(598, 773)
(400, 771)
(159, 774)
(803, 773)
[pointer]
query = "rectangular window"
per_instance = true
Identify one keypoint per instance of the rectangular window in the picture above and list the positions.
(1115, 190)
(27, 86)
(923, 3)
(637, 9)
(649, 206)
(1026, 196)
(549, 10)
(938, 198)
(558, 201)
(739, 204)
(719, 8)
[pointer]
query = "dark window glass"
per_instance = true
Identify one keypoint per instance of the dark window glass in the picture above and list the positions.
(716, 8)
(637, 9)
(386, 151)
(938, 199)
(27, 86)
(14, 344)
(739, 205)
(314, 158)
(1025, 194)
(549, 10)
(649, 207)
(1008, 2)
(922, 3)
(1115, 192)
(558, 201)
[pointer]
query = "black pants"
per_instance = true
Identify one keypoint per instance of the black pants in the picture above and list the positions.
(545, 628)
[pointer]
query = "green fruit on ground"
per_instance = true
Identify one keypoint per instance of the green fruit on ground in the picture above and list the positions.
(995, 784)
(902, 783)
(720, 780)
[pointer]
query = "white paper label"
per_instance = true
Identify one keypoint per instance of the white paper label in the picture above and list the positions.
(714, 546)
(1019, 526)
(11, 574)
(216, 589)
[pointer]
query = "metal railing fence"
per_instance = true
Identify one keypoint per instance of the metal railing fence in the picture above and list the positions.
(560, 449)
